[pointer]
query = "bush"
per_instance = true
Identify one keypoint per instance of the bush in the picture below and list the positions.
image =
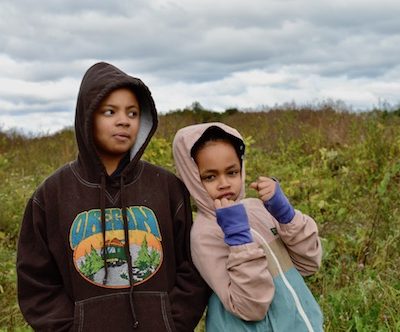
(341, 168)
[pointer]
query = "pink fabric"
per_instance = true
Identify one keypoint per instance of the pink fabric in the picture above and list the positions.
(240, 275)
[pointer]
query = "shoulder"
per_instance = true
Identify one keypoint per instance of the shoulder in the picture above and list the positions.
(64, 172)
(204, 244)
(53, 182)
(164, 181)
(206, 232)
(155, 169)
(56, 176)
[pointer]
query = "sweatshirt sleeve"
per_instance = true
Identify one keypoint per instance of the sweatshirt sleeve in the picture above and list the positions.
(190, 293)
(301, 238)
(41, 293)
(237, 274)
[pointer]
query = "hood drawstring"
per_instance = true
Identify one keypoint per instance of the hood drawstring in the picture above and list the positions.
(103, 225)
(127, 251)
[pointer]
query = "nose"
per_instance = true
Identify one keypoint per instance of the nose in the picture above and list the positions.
(123, 119)
(223, 183)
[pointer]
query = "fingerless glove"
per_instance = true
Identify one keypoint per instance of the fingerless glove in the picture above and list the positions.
(279, 206)
(235, 224)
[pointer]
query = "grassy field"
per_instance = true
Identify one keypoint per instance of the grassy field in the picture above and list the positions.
(341, 168)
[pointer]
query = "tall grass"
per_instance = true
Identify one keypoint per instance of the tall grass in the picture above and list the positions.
(341, 168)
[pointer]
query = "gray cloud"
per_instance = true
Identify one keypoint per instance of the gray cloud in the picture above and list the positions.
(314, 47)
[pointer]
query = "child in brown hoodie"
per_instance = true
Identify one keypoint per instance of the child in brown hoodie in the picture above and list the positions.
(252, 252)
(104, 243)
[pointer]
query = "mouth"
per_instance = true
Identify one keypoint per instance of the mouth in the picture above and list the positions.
(229, 196)
(121, 136)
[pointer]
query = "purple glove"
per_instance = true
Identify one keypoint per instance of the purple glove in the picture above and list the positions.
(279, 206)
(235, 225)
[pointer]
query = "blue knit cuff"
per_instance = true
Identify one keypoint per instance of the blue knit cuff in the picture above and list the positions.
(280, 207)
(235, 225)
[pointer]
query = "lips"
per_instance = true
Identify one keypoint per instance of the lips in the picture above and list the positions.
(229, 195)
(121, 136)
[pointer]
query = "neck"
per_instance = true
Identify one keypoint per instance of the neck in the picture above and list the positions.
(111, 165)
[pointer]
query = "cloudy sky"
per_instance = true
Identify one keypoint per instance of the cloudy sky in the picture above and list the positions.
(225, 53)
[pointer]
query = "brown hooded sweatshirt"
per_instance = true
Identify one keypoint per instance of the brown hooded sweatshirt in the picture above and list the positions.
(245, 277)
(109, 253)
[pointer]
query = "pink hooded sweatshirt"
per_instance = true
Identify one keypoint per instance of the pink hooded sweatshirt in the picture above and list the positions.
(245, 277)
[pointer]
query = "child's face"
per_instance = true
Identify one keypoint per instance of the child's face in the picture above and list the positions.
(116, 124)
(219, 169)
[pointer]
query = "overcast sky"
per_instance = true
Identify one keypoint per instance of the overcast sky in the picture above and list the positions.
(223, 54)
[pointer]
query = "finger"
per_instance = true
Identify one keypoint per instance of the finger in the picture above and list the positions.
(263, 178)
(266, 184)
(224, 202)
(217, 204)
(266, 197)
(254, 185)
(266, 192)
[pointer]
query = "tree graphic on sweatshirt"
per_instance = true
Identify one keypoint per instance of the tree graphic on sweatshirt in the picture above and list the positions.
(92, 263)
(147, 259)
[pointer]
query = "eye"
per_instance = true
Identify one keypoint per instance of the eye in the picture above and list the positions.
(108, 112)
(208, 178)
(234, 172)
(133, 114)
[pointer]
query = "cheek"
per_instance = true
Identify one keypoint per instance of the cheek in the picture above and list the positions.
(238, 184)
(210, 188)
(99, 127)
(135, 128)
(96, 132)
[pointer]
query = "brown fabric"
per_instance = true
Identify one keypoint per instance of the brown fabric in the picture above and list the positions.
(53, 292)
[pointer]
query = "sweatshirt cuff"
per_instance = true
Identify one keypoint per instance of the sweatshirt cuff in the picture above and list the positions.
(235, 225)
(280, 207)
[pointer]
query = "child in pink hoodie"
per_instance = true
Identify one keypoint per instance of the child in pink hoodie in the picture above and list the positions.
(252, 252)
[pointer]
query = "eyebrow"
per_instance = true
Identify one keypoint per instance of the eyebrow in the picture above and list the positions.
(232, 166)
(210, 170)
(114, 106)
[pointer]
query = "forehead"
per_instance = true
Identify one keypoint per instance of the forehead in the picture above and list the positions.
(216, 153)
(120, 95)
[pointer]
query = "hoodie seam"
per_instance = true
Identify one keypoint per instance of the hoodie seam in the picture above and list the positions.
(112, 199)
(137, 175)
(96, 185)
(81, 318)
(288, 285)
(99, 297)
(82, 180)
(36, 201)
(164, 311)
(180, 204)
(139, 172)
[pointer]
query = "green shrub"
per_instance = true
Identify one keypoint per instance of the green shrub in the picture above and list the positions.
(343, 169)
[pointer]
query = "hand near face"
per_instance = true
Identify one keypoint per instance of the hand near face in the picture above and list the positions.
(265, 187)
(224, 202)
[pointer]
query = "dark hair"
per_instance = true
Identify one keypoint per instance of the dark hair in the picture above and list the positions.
(215, 133)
